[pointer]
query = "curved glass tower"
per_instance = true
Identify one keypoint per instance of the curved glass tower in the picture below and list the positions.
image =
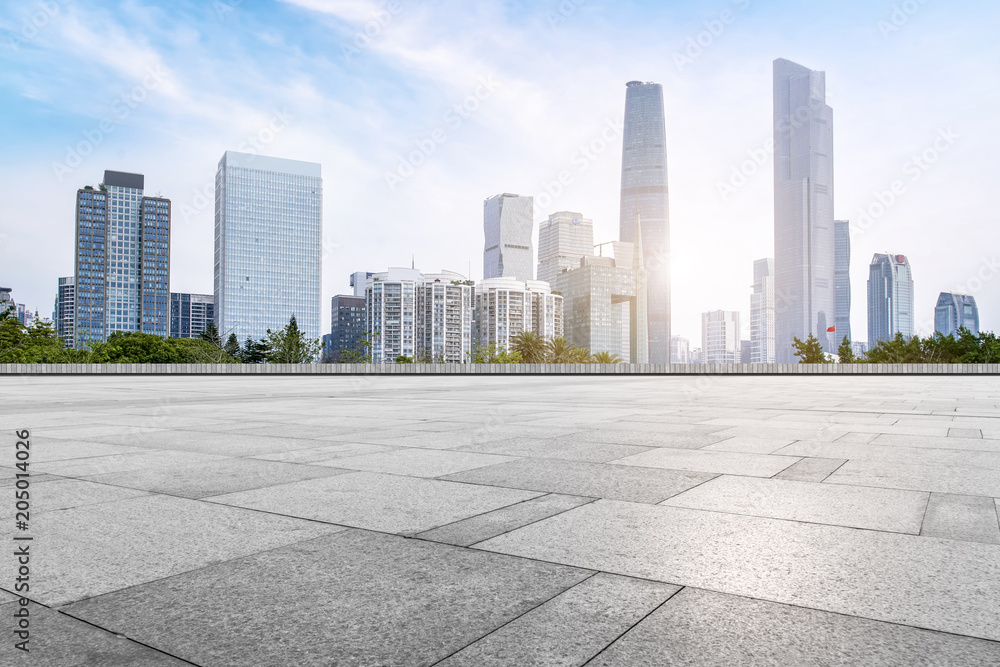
(644, 193)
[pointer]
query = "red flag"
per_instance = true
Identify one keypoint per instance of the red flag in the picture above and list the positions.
(832, 329)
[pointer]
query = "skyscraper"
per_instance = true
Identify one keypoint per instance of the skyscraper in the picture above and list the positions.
(644, 194)
(955, 311)
(890, 298)
(562, 241)
(508, 225)
(190, 314)
(64, 314)
(680, 350)
(122, 271)
(842, 278)
(762, 313)
(347, 324)
(268, 245)
(804, 247)
(720, 337)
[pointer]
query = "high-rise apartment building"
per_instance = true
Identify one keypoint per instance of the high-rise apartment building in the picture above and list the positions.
(954, 312)
(5, 298)
(720, 337)
(508, 223)
(842, 279)
(562, 241)
(268, 244)
(644, 195)
(64, 312)
(890, 298)
(762, 313)
(426, 317)
(190, 315)
(680, 350)
(804, 246)
(506, 307)
(347, 325)
(122, 275)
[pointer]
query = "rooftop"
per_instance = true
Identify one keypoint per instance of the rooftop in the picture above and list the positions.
(470, 520)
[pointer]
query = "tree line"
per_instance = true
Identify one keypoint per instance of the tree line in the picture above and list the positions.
(964, 347)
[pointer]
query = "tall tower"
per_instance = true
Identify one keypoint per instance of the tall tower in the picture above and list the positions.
(644, 193)
(639, 343)
(842, 278)
(762, 313)
(268, 245)
(804, 248)
(507, 223)
(562, 241)
(954, 312)
(890, 298)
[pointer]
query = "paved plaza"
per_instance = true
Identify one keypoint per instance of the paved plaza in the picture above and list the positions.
(497, 520)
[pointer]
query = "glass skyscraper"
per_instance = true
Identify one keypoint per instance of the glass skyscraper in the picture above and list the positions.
(507, 224)
(562, 241)
(955, 311)
(804, 247)
(890, 298)
(762, 312)
(122, 260)
(842, 278)
(720, 337)
(644, 193)
(268, 245)
(190, 314)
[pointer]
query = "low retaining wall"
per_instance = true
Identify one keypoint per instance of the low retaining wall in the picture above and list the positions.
(499, 369)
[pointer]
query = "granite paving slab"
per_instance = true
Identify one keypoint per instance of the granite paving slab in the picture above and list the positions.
(571, 628)
(46, 450)
(729, 463)
(417, 462)
(478, 528)
(83, 431)
(856, 507)
(123, 462)
(97, 549)
(973, 433)
(580, 478)
(697, 627)
(62, 494)
(355, 598)
(968, 518)
(386, 503)
(811, 469)
(859, 438)
(8, 477)
(925, 582)
(938, 442)
(214, 478)
(768, 432)
(325, 453)
(937, 479)
(205, 442)
(646, 438)
(895, 454)
(749, 445)
(555, 448)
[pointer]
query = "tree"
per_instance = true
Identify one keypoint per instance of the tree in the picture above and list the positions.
(35, 344)
(493, 354)
(580, 355)
(232, 346)
(531, 346)
(846, 352)
(290, 345)
(897, 350)
(559, 351)
(254, 351)
(606, 358)
(810, 351)
(211, 334)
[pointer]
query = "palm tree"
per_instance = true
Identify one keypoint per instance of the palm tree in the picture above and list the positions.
(580, 355)
(560, 351)
(606, 358)
(531, 346)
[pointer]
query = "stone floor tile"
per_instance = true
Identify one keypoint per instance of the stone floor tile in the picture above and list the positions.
(811, 469)
(62, 494)
(148, 459)
(417, 462)
(936, 479)
(326, 453)
(729, 463)
(749, 445)
(973, 433)
(967, 518)
(556, 448)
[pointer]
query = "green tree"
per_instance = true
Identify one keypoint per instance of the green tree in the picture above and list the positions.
(580, 355)
(211, 334)
(254, 351)
(232, 346)
(846, 352)
(134, 347)
(493, 354)
(403, 359)
(606, 358)
(897, 350)
(559, 351)
(290, 345)
(37, 343)
(531, 346)
(810, 351)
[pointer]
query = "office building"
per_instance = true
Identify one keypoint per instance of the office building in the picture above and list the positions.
(842, 279)
(425, 317)
(680, 350)
(23, 314)
(562, 242)
(954, 312)
(268, 245)
(506, 307)
(508, 223)
(720, 337)
(348, 321)
(859, 347)
(804, 247)
(762, 313)
(746, 352)
(890, 298)
(191, 313)
(644, 196)
(64, 313)
(122, 267)
(5, 299)
(359, 280)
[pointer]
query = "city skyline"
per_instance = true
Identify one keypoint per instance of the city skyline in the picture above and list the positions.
(532, 126)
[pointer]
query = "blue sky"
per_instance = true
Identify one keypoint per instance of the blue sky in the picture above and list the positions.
(362, 85)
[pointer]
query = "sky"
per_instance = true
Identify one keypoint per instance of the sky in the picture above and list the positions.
(418, 111)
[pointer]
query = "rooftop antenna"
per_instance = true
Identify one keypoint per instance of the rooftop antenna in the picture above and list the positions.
(413, 261)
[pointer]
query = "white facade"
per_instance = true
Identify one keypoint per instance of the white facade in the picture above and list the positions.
(64, 315)
(562, 241)
(506, 307)
(720, 337)
(762, 313)
(680, 350)
(508, 225)
(426, 317)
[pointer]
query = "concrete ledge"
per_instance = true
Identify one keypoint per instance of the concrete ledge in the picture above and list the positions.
(499, 369)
